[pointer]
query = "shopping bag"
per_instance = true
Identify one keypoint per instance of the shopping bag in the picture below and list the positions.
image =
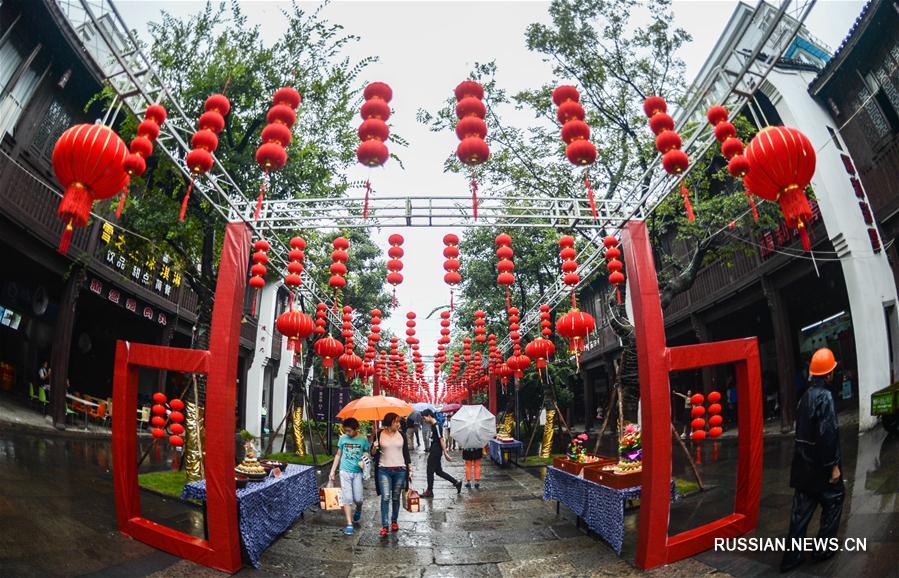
(365, 464)
(411, 502)
(330, 498)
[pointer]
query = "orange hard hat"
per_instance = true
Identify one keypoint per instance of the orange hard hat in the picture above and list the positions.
(823, 362)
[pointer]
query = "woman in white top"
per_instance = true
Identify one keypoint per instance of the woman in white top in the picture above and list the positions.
(394, 467)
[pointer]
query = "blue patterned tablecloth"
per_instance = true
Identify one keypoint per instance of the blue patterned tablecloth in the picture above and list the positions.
(495, 449)
(268, 508)
(601, 507)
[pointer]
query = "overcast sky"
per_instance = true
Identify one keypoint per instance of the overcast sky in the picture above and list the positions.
(425, 50)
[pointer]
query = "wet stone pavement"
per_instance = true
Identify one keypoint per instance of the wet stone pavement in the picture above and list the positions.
(57, 518)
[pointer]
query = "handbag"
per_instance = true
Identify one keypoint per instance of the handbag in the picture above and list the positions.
(366, 464)
(330, 498)
(411, 501)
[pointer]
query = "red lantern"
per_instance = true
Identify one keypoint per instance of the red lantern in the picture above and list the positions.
(714, 397)
(697, 423)
(782, 163)
(575, 326)
(394, 265)
(698, 436)
(88, 162)
(697, 411)
(338, 267)
(540, 350)
(373, 132)
(451, 265)
(295, 326)
(505, 266)
(668, 142)
(328, 349)
(204, 142)
(731, 148)
(471, 130)
(716, 420)
(576, 134)
(696, 399)
(141, 147)
(258, 270)
(271, 154)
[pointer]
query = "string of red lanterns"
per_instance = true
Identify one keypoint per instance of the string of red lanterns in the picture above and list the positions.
(576, 134)
(668, 142)
(296, 257)
(505, 265)
(480, 327)
(541, 348)
(271, 155)
(338, 269)
(88, 162)
(349, 361)
(452, 264)
(569, 266)
(373, 132)
(612, 255)
(731, 148)
(141, 148)
(204, 142)
(167, 418)
(258, 270)
(471, 130)
(394, 264)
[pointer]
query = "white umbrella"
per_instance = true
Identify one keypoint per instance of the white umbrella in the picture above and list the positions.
(473, 426)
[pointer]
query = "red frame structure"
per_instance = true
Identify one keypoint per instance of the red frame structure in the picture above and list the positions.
(655, 361)
(222, 549)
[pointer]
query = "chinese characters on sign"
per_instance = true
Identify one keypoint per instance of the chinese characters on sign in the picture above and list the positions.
(156, 274)
(340, 396)
(114, 296)
(771, 240)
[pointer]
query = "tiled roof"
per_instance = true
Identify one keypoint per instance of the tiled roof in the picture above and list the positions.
(846, 46)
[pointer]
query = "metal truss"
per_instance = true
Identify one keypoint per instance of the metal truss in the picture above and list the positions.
(112, 48)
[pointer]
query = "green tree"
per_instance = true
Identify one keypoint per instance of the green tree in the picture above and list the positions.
(217, 50)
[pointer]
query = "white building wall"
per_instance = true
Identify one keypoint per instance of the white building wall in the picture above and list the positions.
(869, 280)
(256, 375)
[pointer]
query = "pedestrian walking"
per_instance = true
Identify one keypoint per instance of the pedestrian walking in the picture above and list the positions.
(448, 434)
(436, 454)
(394, 469)
(350, 448)
(472, 457)
(816, 472)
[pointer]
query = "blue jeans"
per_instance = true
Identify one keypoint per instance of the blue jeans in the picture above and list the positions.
(392, 483)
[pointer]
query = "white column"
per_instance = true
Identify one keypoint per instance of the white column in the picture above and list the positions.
(261, 359)
(869, 280)
(279, 393)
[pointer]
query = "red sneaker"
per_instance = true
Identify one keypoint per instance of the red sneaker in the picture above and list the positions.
(395, 527)
(384, 531)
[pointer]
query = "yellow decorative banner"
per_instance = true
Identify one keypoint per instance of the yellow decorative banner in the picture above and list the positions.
(193, 446)
(507, 425)
(299, 442)
(548, 431)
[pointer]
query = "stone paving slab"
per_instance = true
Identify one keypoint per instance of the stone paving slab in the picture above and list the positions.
(454, 556)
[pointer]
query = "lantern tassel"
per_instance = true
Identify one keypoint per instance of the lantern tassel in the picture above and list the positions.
(573, 299)
(190, 187)
(474, 198)
(290, 305)
(590, 196)
(255, 298)
(118, 211)
(803, 236)
(755, 212)
(687, 206)
(365, 204)
(394, 297)
(66, 239)
(698, 454)
(261, 196)
(715, 451)
(618, 293)
(451, 299)
(508, 299)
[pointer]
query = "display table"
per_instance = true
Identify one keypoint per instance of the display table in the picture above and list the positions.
(504, 453)
(267, 509)
(601, 507)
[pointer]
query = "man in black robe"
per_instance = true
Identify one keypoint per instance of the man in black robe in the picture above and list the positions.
(816, 470)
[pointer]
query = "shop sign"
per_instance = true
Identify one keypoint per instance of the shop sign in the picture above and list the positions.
(131, 304)
(339, 397)
(156, 274)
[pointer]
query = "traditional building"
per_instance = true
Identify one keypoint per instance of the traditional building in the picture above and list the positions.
(69, 310)
(843, 295)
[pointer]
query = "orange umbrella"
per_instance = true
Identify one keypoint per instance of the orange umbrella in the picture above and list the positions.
(374, 407)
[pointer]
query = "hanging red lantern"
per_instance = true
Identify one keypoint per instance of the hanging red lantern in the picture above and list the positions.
(540, 350)
(338, 269)
(296, 256)
(471, 130)
(271, 154)
(668, 142)
(295, 326)
(480, 327)
(141, 148)
(782, 163)
(258, 270)
(204, 142)
(87, 160)
(373, 132)
(451, 265)
(567, 254)
(576, 135)
(328, 349)
(505, 266)
(732, 148)
(575, 326)
(616, 277)
(394, 264)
